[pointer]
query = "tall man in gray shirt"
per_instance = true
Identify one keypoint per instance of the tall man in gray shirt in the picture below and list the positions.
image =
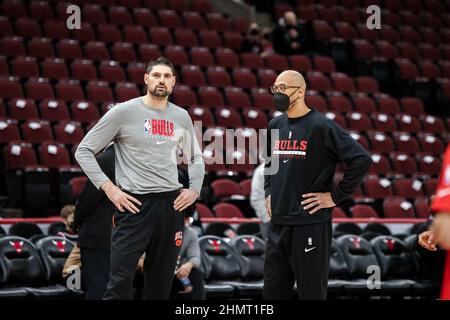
(147, 195)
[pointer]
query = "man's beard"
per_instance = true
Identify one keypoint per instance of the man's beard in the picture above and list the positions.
(159, 94)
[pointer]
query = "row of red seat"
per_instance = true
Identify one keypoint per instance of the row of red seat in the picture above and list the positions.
(95, 10)
(393, 207)
(110, 34)
(372, 187)
(350, 10)
(19, 154)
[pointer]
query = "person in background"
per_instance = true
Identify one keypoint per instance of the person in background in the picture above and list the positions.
(188, 276)
(67, 214)
(257, 198)
(290, 37)
(93, 216)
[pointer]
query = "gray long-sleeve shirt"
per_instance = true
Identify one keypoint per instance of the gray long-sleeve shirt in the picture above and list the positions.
(146, 141)
(190, 249)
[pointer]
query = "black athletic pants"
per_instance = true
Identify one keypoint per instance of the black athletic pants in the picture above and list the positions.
(297, 253)
(157, 231)
(95, 268)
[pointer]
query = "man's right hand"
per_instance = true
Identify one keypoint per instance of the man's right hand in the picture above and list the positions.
(121, 200)
(427, 241)
(268, 207)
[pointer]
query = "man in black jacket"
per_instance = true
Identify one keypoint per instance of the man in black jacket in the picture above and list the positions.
(303, 149)
(93, 216)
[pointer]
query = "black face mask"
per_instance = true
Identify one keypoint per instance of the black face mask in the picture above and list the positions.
(281, 101)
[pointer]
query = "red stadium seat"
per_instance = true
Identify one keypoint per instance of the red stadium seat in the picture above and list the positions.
(237, 98)
(227, 58)
(224, 188)
(54, 68)
(244, 78)
(202, 57)
(125, 91)
(228, 118)
(54, 110)
(255, 118)
(363, 211)
(408, 188)
(169, 19)
(12, 46)
(317, 81)
(412, 106)
(193, 76)
(430, 143)
(405, 142)
(194, 20)
(149, 52)
(96, 50)
(123, 52)
(19, 154)
(378, 188)
(204, 211)
(36, 131)
(262, 99)
(54, 29)
(301, 63)
(93, 13)
(186, 38)
(144, 17)
(24, 67)
(324, 64)
(39, 88)
(210, 97)
(209, 39)
(338, 102)
(395, 207)
(68, 132)
(120, 16)
(69, 90)
(359, 121)
(227, 210)
(388, 105)
(135, 34)
(40, 48)
(252, 60)
(408, 123)
(218, 77)
(183, 96)
(9, 131)
(380, 142)
(54, 155)
(276, 62)
(28, 28)
(336, 117)
(85, 112)
(403, 163)
(313, 100)
(202, 114)
(99, 91)
(69, 49)
(22, 109)
(83, 70)
(217, 22)
(380, 164)
(428, 164)
(111, 71)
(342, 82)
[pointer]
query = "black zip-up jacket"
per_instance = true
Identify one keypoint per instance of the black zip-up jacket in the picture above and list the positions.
(93, 212)
(306, 153)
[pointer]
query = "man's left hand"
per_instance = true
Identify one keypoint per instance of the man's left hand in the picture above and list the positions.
(185, 199)
(317, 201)
(441, 229)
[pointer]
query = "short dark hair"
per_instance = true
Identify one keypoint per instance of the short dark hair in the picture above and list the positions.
(160, 61)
